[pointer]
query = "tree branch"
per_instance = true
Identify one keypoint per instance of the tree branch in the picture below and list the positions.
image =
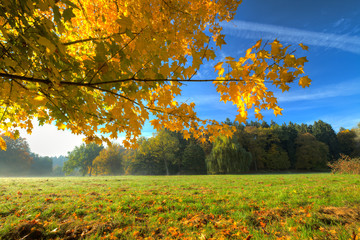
(48, 81)
(93, 39)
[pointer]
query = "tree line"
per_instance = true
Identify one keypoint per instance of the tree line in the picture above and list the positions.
(254, 147)
(18, 160)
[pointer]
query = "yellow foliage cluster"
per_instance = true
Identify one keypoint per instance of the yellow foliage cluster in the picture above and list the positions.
(105, 67)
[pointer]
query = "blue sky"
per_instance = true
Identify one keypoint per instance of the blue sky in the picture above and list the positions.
(330, 28)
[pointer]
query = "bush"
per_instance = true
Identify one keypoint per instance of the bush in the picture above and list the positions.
(346, 165)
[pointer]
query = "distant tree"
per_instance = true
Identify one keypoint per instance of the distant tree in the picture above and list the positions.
(82, 158)
(303, 128)
(129, 159)
(273, 124)
(287, 136)
(41, 166)
(110, 161)
(59, 161)
(324, 132)
(16, 160)
(143, 160)
(249, 138)
(264, 125)
(356, 152)
(228, 156)
(177, 165)
(58, 171)
(165, 147)
(347, 141)
(265, 147)
(193, 159)
(310, 153)
(277, 158)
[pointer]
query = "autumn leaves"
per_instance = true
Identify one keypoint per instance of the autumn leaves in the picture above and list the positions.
(245, 83)
(107, 67)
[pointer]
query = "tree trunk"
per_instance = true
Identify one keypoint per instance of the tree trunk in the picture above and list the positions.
(166, 166)
(90, 171)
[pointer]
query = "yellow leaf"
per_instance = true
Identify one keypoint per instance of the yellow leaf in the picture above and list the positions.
(277, 111)
(301, 61)
(305, 81)
(49, 45)
(259, 116)
(218, 66)
(248, 51)
(2, 144)
(220, 40)
(284, 87)
(186, 135)
(258, 44)
(39, 98)
(221, 72)
(272, 75)
(155, 123)
(304, 47)
(61, 126)
(230, 58)
(275, 47)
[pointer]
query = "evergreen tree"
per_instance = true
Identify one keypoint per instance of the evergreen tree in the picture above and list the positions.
(193, 159)
(324, 132)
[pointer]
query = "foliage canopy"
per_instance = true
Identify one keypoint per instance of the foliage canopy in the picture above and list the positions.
(101, 68)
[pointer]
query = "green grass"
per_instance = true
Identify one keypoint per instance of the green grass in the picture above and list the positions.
(293, 206)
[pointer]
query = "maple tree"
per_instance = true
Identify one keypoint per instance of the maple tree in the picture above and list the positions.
(105, 67)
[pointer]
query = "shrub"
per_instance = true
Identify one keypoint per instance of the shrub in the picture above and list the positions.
(346, 165)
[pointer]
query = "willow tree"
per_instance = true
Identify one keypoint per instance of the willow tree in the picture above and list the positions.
(105, 67)
(228, 156)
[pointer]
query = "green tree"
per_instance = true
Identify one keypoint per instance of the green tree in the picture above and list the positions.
(277, 158)
(347, 142)
(165, 147)
(265, 147)
(41, 166)
(228, 156)
(254, 143)
(193, 159)
(82, 158)
(324, 132)
(143, 160)
(310, 153)
(287, 136)
(58, 171)
(110, 161)
(16, 160)
(303, 128)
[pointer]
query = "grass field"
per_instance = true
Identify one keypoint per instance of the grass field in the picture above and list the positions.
(293, 206)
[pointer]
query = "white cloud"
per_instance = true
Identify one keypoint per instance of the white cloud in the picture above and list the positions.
(345, 88)
(252, 30)
(47, 140)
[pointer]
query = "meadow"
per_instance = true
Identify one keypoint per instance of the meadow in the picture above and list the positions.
(274, 206)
